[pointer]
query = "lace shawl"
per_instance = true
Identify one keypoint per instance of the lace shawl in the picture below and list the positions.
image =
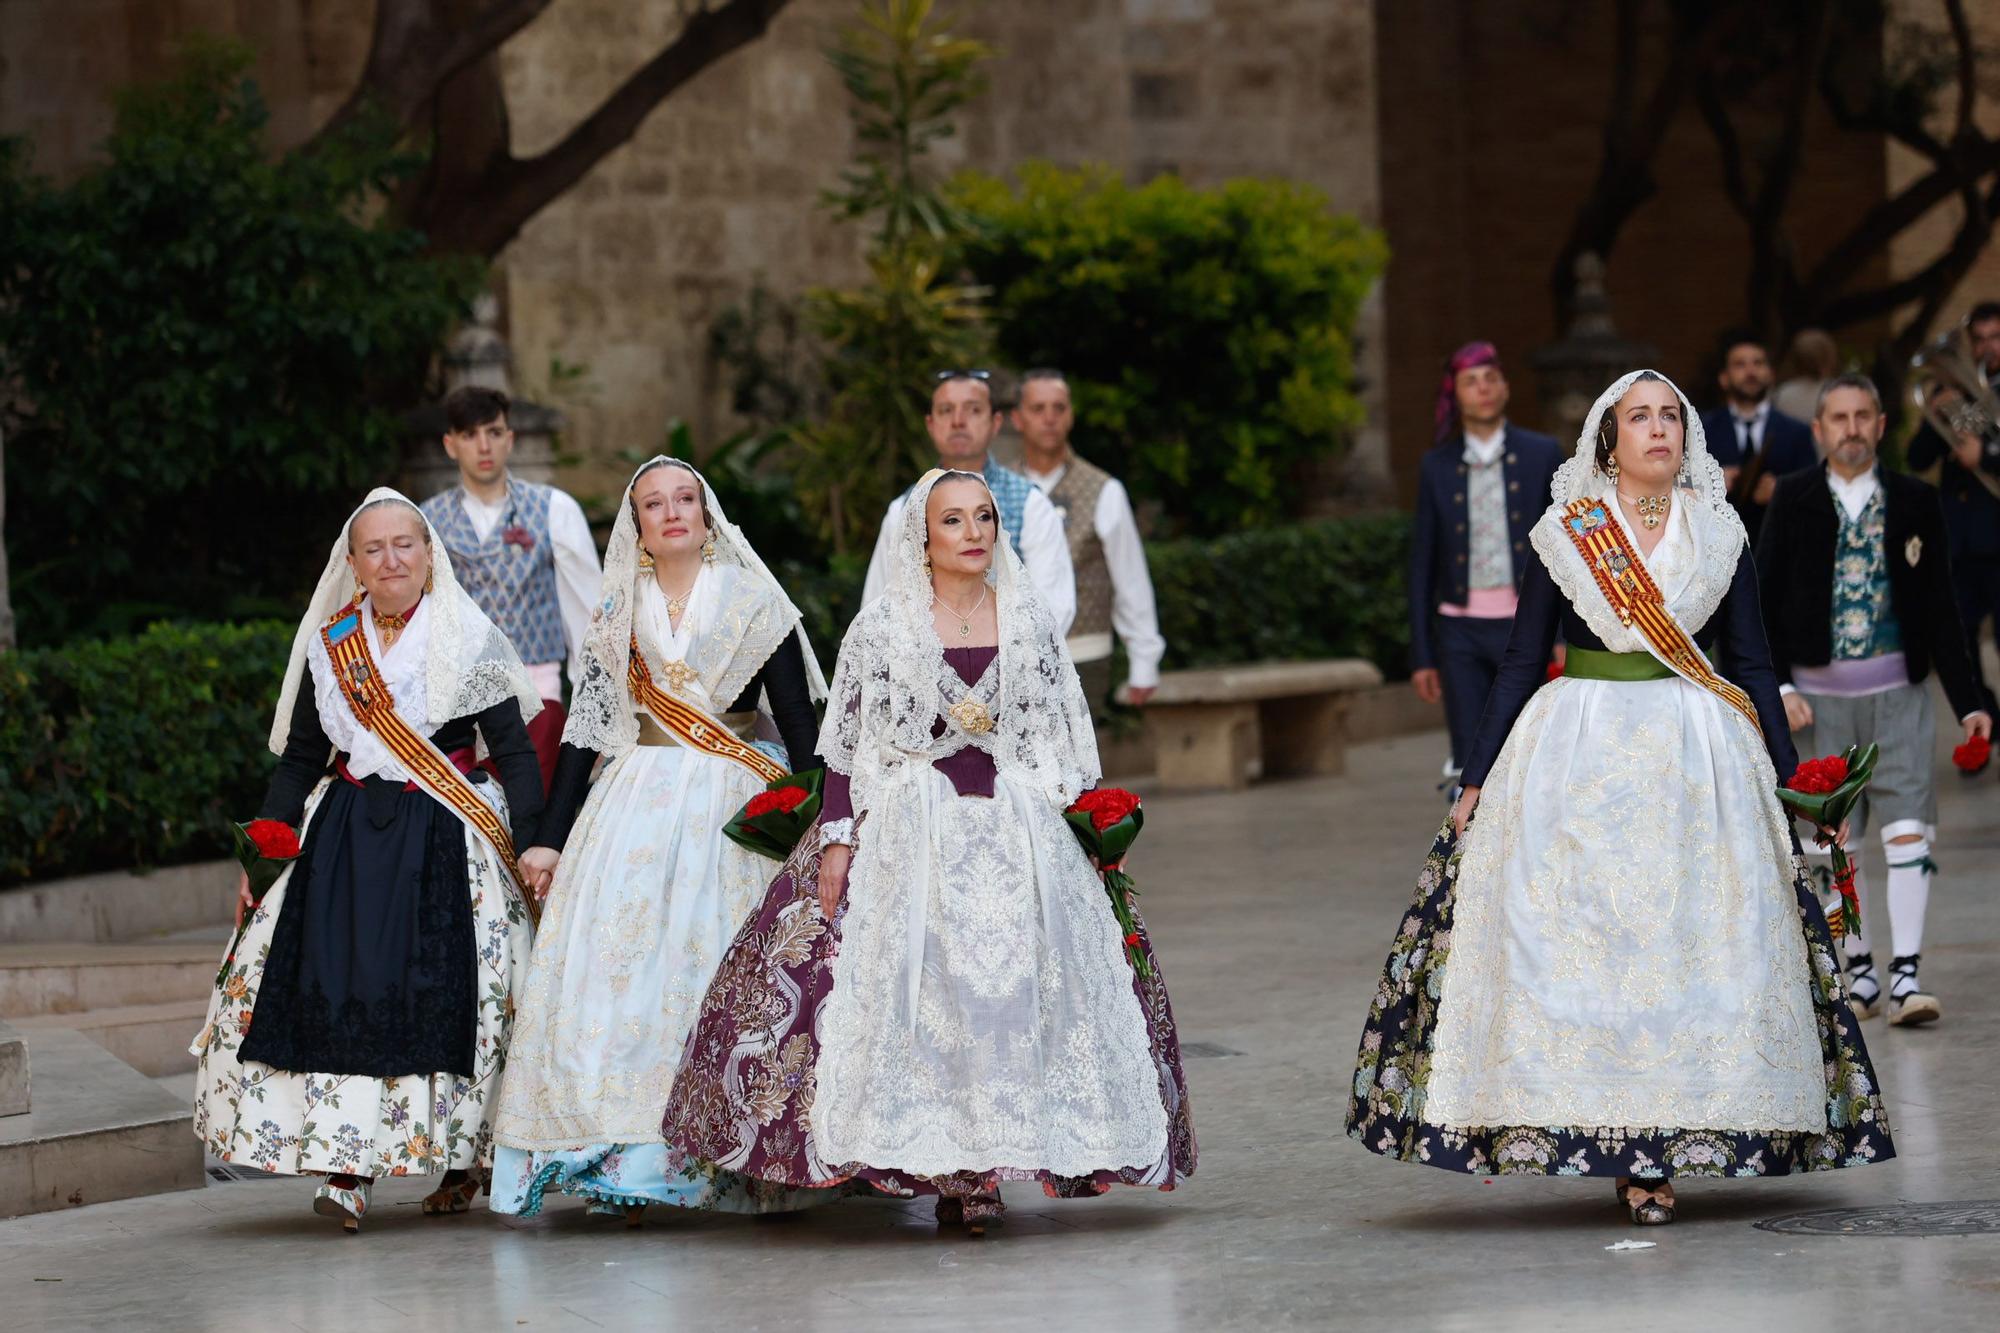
(892, 682)
(751, 617)
(1701, 501)
(468, 664)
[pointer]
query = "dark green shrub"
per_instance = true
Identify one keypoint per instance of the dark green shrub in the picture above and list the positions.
(1327, 589)
(203, 347)
(1208, 335)
(137, 752)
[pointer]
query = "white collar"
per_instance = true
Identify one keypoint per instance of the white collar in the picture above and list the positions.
(1049, 480)
(1853, 495)
(1485, 452)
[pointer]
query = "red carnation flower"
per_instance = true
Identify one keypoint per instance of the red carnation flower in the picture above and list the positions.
(1554, 672)
(1133, 939)
(1817, 777)
(786, 799)
(274, 838)
(1972, 755)
(1106, 806)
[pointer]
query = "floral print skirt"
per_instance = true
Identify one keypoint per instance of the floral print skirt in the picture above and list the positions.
(1386, 1109)
(420, 1123)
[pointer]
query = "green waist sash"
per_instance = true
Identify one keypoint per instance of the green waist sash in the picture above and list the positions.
(1596, 664)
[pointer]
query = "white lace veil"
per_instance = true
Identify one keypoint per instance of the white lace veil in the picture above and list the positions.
(1714, 525)
(759, 616)
(468, 662)
(892, 682)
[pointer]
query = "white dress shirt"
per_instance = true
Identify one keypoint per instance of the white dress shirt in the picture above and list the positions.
(1135, 617)
(1853, 495)
(1044, 550)
(579, 576)
(1757, 421)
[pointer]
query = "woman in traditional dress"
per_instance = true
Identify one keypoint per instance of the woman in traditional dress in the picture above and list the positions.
(692, 633)
(973, 1017)
(1619, 966)
(359, 1026)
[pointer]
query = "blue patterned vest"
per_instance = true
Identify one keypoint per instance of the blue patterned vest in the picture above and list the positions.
(514, 585)
(1010, 492)
(1864, 625)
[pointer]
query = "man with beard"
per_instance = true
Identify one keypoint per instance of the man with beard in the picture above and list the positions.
(1755, 442)
(1856, 588)
(1966, 471)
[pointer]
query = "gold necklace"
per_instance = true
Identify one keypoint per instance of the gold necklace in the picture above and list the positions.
(677, 606)
(1652, 509)
(964, 621)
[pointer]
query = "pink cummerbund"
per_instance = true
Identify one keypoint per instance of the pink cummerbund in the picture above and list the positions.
(1853, 678)
(1485, 604)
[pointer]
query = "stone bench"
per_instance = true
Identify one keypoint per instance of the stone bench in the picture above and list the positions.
(1222, 726)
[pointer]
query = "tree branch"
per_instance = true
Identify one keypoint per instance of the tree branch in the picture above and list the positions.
(1961, 36)
(1933, 283)
(1866, 238)
(418, 46)
(513, 190)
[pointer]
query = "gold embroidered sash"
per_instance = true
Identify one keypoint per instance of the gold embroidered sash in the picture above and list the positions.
(690, 725)
(367, 694)
(1636, 600)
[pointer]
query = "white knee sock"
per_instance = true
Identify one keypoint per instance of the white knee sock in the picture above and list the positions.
(1910, 872)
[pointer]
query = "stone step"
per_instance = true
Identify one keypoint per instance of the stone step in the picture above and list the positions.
(117, 906)
(76, 978)
(152, 1038)
(13, 1072)
(99, 1130)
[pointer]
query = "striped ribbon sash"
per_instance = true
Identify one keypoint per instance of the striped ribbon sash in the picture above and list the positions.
(690, 725)
(367, 694)
(1623, 579)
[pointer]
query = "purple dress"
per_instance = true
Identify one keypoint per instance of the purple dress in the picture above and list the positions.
(744, 1093)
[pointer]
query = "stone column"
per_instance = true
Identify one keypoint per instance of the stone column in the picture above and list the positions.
(1577, 367)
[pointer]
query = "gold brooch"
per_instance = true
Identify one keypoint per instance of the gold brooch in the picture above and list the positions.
(971, 716)
(679, 675)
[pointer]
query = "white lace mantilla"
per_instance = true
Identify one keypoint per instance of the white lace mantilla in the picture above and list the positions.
(451, 661)
(739, 614)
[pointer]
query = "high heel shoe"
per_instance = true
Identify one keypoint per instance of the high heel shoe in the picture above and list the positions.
(456, 1196)
(344, 1197)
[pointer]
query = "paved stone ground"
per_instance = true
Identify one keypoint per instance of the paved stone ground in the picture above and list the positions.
(1273, 909)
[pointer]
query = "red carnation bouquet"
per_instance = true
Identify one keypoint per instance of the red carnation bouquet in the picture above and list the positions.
(1972, 756)
(1107, 822)
(1824, 791)
(772, 822)
(264, 847)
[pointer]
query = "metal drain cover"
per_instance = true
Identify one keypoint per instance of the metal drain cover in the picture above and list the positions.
(1969, 1217)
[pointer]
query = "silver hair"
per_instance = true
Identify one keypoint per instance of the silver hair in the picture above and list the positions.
(1853, 379)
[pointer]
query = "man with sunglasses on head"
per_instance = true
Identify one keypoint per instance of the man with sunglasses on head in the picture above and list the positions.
(963, 423)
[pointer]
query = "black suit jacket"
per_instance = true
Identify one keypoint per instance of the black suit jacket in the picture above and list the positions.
(1787, 448)
(1795, 574)
(1971, 512)
(1440, 543)
(1744, 660)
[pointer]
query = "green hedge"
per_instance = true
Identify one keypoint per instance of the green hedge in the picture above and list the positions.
(1326, 589)
(136, 752)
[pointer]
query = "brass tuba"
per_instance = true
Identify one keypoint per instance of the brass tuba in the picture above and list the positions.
(1948, 388)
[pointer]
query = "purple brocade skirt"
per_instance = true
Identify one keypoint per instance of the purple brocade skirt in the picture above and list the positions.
(743, 1097)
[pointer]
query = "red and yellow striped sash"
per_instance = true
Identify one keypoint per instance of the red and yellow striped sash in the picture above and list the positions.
(690, 725)
(1625, 582)
(367, 694)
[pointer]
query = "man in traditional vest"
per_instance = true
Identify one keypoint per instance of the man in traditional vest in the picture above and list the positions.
(1114, 591)
(522, 549)
(962, 424)
(1857, 597)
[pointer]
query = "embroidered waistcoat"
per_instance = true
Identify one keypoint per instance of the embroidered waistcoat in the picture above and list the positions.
(1864, 625)
(1075, 498)
(1010, 491)
(1492, 564)
(514, 585)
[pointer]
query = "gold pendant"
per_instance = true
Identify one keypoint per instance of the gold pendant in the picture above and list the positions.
(965, 631)
(679, 675)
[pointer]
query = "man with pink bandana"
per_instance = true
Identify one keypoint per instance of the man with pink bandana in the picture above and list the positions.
(1482, 485)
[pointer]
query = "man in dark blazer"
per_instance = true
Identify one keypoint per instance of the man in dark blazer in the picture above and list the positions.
(1480, 488)
(1966, 471)
(1856, 588)
(1755, 442)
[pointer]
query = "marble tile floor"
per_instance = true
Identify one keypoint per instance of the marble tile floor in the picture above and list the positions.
(1273, 909)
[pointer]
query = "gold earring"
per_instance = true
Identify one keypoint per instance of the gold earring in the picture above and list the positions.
(430, 579)
(708, 549)
(1611, 467)
(645, 557)
(360, 590)
(927, 564)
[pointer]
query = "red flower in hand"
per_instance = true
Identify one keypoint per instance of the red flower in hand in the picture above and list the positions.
(1972, 755)
(1554, 672)
(1816, 777)
(1106, 806)
(786, 799)
(274, 838)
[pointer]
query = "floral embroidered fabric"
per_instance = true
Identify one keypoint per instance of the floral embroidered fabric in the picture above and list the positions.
(1864, 625)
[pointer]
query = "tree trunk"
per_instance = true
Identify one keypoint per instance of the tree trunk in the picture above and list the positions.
(6, 599)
